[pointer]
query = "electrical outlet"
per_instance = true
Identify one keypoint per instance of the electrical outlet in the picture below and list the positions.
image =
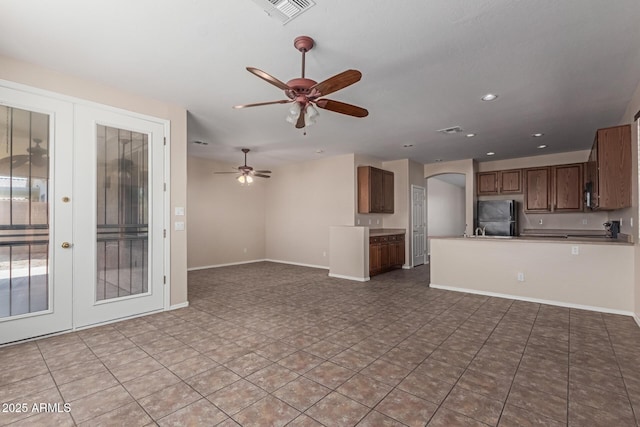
(631, 222)
(575, 250)
(584, 221)
(540, 221)
(520, 276)
(245, 250)
(377, 221)
(324, 253)
(369, 222)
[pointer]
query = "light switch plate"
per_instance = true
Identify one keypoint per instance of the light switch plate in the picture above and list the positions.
(179, 211)
(179, 226)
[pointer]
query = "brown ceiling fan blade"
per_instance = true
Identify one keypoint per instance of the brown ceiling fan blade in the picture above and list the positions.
(258, 104)
(263, 172)
(342, 108)
(300, 123)
(337, 82)
(268, 78)
(226, 172)
(261, 175)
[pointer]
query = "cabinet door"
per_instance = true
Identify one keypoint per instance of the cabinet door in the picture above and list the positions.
(567, 182)
(387, 190)
(384, 256)
(592, 175)
(374, 258)
(537, 190)
(510, 182)
(487, 183)
(376, 189)
(614, 167)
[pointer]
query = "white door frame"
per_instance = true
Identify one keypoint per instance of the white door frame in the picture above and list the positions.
(68, 123)
(424, 216)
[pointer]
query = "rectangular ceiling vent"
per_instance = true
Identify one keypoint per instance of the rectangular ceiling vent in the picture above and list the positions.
(285, 10)
(450, 131)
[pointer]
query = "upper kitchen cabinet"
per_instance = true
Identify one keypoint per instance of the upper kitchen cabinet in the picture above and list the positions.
(375, 190)
(553, 189)
(499, 182)
(567, 187)
(609, 169)
(487, 183)
(537, 190)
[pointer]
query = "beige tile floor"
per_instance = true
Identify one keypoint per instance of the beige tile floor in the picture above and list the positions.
(268, 344)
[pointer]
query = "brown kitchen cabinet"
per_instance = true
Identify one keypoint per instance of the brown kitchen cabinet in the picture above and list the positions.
(385, 253)
(499, 182)
(537, 190)
(487, 183)
(567, 181)
(375, 190)
(553, 188)
(609, 168)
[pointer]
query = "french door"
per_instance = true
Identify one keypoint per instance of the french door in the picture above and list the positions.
(35, 215)
(119, 210)
(81, 215)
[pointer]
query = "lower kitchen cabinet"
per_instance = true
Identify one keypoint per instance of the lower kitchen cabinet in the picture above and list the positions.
(385, 253)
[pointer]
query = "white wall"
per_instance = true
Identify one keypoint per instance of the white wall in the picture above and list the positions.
(226, 220)
(445, 208)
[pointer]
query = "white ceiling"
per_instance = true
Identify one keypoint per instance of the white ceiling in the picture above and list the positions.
(561, 67)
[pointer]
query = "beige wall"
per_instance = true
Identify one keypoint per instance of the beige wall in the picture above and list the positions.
(226, 220)
(632, 109)
(600, 276)
(466, 167)
(302, 201)
(445, 208)
(38, 77)
(349, 252)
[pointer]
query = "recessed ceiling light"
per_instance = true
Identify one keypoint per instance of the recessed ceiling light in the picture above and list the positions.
(491, 153)
(537, 135)
(542, 146)
(471, 135)
(438, 160)
(489, 97)
(407, 145)
(201, 142)
(319, 151)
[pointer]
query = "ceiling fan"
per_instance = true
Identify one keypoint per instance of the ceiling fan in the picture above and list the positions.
(304, 93)
(246, 173)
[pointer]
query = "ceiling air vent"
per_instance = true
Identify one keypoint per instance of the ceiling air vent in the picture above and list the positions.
(450, 131)
(285, 10)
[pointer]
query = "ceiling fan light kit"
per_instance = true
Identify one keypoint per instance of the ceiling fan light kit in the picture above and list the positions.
(304, 93)
(247, 173)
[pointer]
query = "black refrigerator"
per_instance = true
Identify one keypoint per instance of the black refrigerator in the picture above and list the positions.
(498, 217)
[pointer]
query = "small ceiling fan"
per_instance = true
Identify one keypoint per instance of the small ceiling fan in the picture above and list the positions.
(304, 93)
(36, 157)
(246, 173)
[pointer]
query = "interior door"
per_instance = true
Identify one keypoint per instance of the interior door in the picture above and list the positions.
(418, 224)
(36, 137)
(119, 231)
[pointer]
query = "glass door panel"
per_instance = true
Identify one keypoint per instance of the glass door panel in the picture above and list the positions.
(122, 213)
(35, 276)
(24, 207)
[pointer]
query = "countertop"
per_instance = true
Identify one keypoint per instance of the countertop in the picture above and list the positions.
(374, 232)
(543, 239)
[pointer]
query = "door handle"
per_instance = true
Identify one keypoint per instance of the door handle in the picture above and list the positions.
(66, 245)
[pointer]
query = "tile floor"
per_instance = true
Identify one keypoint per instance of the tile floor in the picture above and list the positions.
(268, 344)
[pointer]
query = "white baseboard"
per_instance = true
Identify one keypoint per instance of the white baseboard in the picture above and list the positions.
(177, 306)
(536, 300)
(323, 267)
(407, 267)
(357, 279)
(637, 319)
(205, 267)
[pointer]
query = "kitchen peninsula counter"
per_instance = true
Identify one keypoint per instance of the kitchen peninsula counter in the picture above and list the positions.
(593, 273)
